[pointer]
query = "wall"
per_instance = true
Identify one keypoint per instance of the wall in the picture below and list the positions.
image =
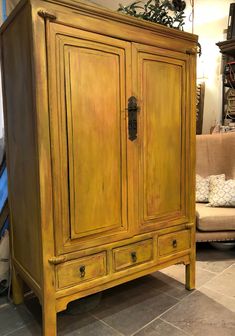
(5, 6)
(211, 18)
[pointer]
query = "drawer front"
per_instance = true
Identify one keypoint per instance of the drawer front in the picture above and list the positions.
(173, 242)
(74, 272)
(131, 255)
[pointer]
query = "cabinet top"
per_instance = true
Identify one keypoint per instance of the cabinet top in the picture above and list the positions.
(90, 8)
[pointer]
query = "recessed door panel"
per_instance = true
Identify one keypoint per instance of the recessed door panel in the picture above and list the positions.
(162, 137)
(94, 138)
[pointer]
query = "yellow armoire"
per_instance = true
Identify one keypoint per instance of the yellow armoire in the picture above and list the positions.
(100, 130)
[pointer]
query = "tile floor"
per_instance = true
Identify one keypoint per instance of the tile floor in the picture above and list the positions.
(155, 305)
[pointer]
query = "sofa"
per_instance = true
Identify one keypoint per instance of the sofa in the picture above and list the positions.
(215, 154)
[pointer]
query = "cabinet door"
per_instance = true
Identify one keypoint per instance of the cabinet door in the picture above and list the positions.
(161, 85)
(89, 88)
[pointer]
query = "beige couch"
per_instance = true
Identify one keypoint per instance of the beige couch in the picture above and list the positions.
(215, 154)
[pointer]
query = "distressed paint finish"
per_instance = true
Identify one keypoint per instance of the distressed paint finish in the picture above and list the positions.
(96, 209)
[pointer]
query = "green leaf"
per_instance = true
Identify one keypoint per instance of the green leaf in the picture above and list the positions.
(156, 11)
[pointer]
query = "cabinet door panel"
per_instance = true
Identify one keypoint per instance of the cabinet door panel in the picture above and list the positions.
(94, 139)
(92, 157)
(162, 131)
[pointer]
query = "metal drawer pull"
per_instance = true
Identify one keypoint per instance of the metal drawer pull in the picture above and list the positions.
(82, 270)
(174, 243)
(133, 256)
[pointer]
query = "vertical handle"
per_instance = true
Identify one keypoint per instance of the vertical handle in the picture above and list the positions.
(133, 256)
(132, 118)
(82, 271)
(174, 243)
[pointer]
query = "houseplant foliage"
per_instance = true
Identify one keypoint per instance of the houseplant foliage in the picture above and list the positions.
(166, 12)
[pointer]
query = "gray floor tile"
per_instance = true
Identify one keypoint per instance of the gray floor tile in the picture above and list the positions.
(215, 260)
(85, 304)
(169, 285)
(83, 325)
(160, 328)
(131, 306)
(3, 301)
(177, 272)
(226, 301)
(31, 329)
(12, 318)
(199, 315)
(224, 283)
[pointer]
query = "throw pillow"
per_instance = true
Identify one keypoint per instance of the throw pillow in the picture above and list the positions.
(202, 189)
(203, 185)
(214, 180)
(222, 194)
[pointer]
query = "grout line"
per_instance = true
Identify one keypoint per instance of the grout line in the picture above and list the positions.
(204, 269)
(196, 290)
(201, 267)
(219, 274)
(183, 298)
(106, 324)
(171, 296)
(17, 329)
(173, 325)
(13, 331)
(205, 285)
(159, 316)
(175, 305)
(217, 292)
(4, 305)
(161, 290)
(179, 300)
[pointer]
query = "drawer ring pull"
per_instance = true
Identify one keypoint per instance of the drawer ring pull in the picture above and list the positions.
(174, 243)
(133, 256)
(82, 270)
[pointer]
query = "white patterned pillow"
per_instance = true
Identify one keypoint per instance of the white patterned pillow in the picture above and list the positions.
(203, 185)
(222, 194)
(202, 188)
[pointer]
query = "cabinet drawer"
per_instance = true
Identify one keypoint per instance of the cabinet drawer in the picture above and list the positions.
(84, 269)
(173, 242)
(131, 255)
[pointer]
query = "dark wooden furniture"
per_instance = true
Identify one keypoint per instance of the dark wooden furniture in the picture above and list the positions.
(227, 48)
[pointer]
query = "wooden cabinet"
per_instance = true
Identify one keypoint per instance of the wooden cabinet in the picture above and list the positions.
(100, 126)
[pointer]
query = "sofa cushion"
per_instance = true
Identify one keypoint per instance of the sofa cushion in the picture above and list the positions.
(214, 219)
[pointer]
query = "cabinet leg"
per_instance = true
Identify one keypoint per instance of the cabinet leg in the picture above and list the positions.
(190, 276)
(49, 319)
(17, 288)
